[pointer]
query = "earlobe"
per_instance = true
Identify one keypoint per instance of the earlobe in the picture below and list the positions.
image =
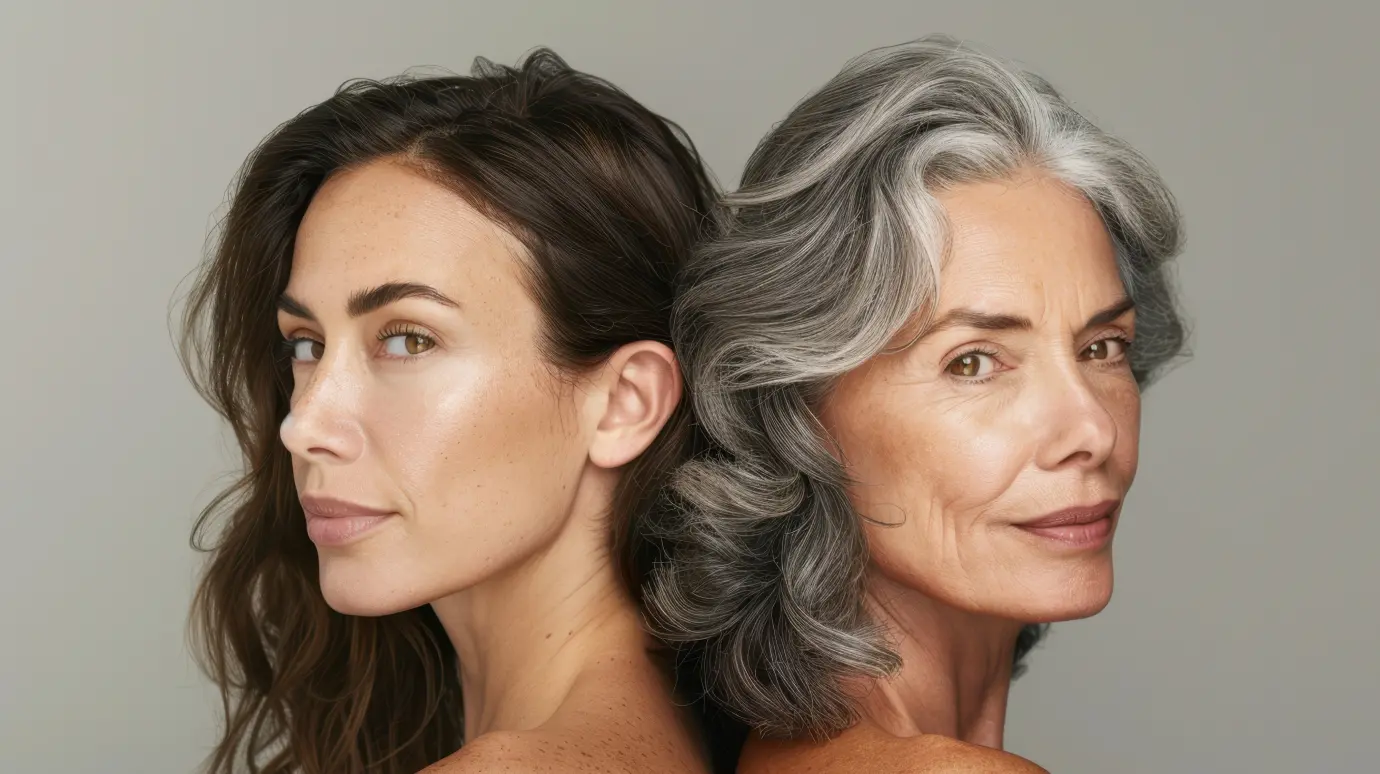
(644, 388)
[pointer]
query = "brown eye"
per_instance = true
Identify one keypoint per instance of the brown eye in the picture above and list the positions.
(407, 344)
(307, 350)
(416, 345)
(1106, 349)
(971, 365)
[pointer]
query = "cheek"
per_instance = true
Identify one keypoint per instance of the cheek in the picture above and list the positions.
(947, 460)
(933, 467)
(470, 434)
(956, 470)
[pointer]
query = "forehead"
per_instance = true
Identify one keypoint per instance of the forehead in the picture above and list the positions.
(1029, 237)
(384, 222)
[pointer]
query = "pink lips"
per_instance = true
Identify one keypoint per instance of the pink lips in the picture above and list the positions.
(332, 522)
(1080, 527)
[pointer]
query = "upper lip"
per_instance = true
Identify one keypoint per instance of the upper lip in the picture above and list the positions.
(1079, 514)
(331, 508)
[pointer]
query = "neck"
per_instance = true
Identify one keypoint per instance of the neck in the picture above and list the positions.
(955, 668)
(524, 636)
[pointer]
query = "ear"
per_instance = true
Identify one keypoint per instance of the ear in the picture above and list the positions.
(644, 387)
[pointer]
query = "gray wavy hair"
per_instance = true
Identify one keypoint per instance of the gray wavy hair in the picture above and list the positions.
(829, 249)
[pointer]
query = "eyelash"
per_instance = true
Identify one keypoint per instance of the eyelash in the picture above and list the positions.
(978, 350)
(1125, 340)
(404, 329)
(288, 345)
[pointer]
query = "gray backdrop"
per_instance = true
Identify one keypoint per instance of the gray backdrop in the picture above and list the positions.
(1244, 632)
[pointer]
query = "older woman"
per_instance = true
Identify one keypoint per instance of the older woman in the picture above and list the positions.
(916, 351)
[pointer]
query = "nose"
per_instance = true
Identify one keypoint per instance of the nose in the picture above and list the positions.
(1080, 431)
(323, 425)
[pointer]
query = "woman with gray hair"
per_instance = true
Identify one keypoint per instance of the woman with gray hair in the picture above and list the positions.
(915, 350)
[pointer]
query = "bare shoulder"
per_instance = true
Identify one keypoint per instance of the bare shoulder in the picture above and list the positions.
(610, 723)
(559, 752)
(942, 755)
(624, 713)
(520, 752)
(514, 751)
(871, 750)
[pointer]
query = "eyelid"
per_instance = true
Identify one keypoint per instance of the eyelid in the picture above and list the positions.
(1121, 359)
(1117, 333)
(393, 330)
(982, 347)
(400, 328)
(292, 328)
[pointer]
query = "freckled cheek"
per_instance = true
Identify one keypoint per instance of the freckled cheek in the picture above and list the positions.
(427, 426)
(464, 434)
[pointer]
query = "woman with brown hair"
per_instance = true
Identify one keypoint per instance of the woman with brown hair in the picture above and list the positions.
(437, 322)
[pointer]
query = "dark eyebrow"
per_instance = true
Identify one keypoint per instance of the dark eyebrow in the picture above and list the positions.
(968, 318)
(1110, 313)
(294, 307)
(363, 302)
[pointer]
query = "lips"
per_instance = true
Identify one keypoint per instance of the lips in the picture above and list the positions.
(1077, 527)
(332, 522)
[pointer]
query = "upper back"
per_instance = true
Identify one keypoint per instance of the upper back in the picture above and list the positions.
(617, 719)
(865, 748)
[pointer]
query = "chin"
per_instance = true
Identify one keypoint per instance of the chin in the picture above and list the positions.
(1072, 593)
(1075, 609)
(351, 587)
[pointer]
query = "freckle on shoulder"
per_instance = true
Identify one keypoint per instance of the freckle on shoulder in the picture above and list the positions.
(950, 756)
(533, 752)
(496, 751)
(518, 752)
(604, 726)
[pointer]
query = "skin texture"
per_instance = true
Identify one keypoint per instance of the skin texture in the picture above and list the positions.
(958, 438)
(866, 748)
(495, 468)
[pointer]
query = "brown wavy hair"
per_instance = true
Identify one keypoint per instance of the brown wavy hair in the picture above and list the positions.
(607, 198)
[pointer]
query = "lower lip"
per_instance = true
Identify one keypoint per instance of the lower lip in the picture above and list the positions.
(339, 530)
(1094, 534)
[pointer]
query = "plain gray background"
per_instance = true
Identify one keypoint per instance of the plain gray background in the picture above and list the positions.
(1244, 635)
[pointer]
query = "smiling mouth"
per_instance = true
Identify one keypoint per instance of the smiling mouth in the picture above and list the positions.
(1083, 527)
